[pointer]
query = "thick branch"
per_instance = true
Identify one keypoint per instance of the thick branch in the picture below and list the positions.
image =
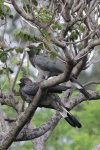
(94, 95)
(91, 82)
(6, 99)
(86, 50)
(26, 16)
(97, 147)
(44, 26)
(21, 121)
(59, 79)
(34, 133)
(24, 117)
(37, 132)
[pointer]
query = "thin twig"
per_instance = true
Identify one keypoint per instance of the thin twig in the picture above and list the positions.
(97, 11)
(24, 71)
(52, 49)
(12, 60)
(7, 72)
(18, 71)
(3, 24)
(46, 49)
(10, 119)
(9, 2)
(28, 30)
(92, 82)
(5, 83)
(4, 31)
(43, 3)
(52, 16)
(31, 4)
(29, 23)
(83, 38)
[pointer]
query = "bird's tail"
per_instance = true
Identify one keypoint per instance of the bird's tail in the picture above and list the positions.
(80, 87)
(85, 93)
(70, 118)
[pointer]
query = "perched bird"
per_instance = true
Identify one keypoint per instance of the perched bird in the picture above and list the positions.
(28, 90)
(48, 67)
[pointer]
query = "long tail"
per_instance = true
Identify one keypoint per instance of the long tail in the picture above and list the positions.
(80, 87)
(70, 118)
(86, 94)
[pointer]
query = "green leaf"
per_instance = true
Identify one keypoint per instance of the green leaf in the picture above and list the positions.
(82, 28)
(54, 27)
(4, 8)
(60, 26)
(19, 50)
(35, 2)
(3, 57)
(2, 17)
(9, 49)
(25, 1)
(80, 47)
(1, 71)
(11, 16)
(26, 37)
(37, 50)
(43, 31)
(21, 35)
(10, 70)
(16, 33)
(74, 35)
(52, 56)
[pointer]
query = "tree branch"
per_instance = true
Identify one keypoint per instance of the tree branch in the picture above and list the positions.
(21, 121)
(86, 50)
(92, 82)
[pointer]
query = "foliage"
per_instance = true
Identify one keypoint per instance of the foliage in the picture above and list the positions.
(64, 137)
(25, 36)
(5, 11)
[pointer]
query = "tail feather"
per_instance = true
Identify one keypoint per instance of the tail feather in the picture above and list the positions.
(70, 121)
(80, 87)
(70, 118)
(85, 93)
(77, 123)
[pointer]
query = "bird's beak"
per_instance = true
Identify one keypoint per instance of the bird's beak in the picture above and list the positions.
(18, 82)
(27, 49)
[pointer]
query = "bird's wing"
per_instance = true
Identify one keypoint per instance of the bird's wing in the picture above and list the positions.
(56, 102)
(45, 63)
(58, 89)
(25, 96)
(31, 89)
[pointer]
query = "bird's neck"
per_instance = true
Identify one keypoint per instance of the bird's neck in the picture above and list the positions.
(31, 54)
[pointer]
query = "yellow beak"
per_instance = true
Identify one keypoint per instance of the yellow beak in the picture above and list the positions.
(18, 82)
(27, 49)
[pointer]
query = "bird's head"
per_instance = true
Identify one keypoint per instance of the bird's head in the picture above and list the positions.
(30, 50)
(23, 81)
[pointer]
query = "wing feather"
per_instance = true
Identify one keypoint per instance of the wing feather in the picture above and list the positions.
(45, 63)
(31, 89)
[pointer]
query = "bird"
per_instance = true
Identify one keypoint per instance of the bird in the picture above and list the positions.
(28, 90)
(48, 67)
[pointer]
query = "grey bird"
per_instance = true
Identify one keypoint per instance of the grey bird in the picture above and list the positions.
(28, 90)
(48, 67)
